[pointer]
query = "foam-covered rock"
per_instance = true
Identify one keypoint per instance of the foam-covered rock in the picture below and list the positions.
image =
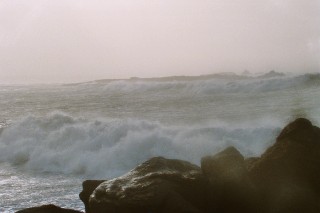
(47, 209)
(158, 185)
(288, 173)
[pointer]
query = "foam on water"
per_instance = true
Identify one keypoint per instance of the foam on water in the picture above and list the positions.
(24, 189)
(103, 129)
(60, 143)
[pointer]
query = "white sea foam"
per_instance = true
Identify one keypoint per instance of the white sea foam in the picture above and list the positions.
(60, 143)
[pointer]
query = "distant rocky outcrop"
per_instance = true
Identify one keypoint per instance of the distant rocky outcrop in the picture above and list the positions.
(284, 179)
(272, 74)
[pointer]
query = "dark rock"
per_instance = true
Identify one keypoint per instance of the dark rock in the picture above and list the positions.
(158, 185)
(88, 186)
(230, 187)
(288, 173)
(250, 162)
(227, 165)
(285, 179)
(272, 74)
(47, 209)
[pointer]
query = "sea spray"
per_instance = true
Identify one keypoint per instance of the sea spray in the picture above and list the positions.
(60, 143)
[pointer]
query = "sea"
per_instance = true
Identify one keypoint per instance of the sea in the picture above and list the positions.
(55, 136)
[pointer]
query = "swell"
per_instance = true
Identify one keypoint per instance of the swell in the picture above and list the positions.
(60, 143)
(233, 84)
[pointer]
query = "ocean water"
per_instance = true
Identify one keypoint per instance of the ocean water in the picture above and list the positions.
(52, 137)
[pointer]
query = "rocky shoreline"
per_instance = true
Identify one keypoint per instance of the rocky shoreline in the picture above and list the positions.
(284, 179)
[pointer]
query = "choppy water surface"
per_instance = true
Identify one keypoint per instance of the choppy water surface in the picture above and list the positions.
(22, 189)
(54, 136)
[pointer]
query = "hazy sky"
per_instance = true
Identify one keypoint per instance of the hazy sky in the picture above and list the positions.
(79, 40)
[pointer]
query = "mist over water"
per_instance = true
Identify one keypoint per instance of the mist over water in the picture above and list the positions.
(46, 41)
(102, 129)
(54, 136)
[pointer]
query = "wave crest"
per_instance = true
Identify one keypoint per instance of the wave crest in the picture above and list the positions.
(108, 148)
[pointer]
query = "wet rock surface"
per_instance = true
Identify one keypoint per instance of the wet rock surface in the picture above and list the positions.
(157, 185)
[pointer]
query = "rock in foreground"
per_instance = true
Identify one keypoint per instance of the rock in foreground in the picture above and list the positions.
(288, 173)
(230, 188)
(159, 185)
(47, 209)
(88, 186)
(285, 179)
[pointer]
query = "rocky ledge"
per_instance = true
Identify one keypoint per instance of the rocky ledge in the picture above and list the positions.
(47, 209)
(284, 179)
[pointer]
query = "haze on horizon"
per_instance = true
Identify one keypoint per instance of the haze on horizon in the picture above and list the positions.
(43, 41)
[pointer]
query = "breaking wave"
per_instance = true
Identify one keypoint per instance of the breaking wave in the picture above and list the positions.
(59, 143)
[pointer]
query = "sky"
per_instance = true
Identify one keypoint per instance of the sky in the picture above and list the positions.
(61, 41)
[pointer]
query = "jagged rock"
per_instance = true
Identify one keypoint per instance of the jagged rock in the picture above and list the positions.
(230, 187)
(285, 179)
(227, 165)
(158, 185)
(288, 173)
(88, 186)
(47, 209)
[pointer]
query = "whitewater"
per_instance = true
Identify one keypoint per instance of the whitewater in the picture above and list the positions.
(53, 137)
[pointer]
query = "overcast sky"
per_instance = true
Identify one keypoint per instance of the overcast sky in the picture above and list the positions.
(79, 40)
